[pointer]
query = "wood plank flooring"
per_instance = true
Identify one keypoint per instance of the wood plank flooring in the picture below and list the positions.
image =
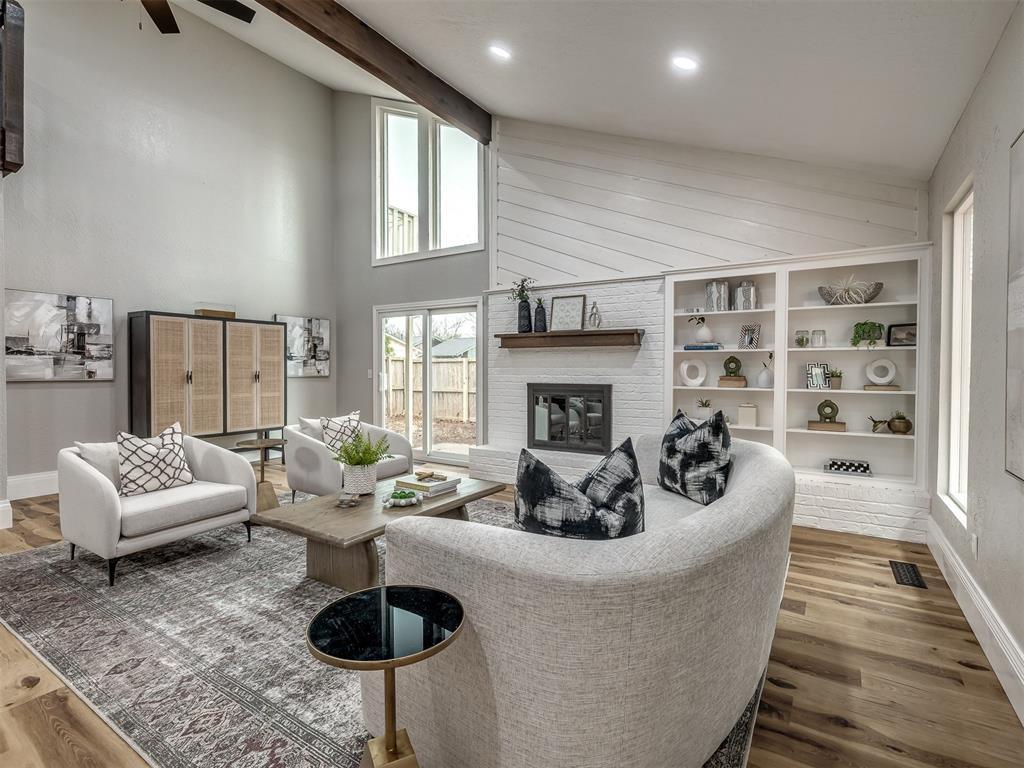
(863, 673)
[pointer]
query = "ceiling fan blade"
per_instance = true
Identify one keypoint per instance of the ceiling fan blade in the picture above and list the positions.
(232, 8)
(160, 12)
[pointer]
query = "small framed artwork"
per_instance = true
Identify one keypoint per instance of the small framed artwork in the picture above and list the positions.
(309, 345)
(817, 376)
(904, 335)
(567, 312)
(750, 335)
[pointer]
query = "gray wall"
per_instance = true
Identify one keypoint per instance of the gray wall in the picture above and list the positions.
(980, 145)
(361, 286)
(161, 171)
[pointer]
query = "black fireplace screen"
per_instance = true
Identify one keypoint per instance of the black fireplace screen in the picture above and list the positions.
(569, 417)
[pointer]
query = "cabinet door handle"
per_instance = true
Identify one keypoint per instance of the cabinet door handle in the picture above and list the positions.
(257, 377)
(188, 376)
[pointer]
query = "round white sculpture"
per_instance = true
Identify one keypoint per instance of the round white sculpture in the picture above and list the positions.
(881, 371)
(696, 380)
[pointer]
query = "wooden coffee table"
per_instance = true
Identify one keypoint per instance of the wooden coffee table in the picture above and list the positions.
(339, 541)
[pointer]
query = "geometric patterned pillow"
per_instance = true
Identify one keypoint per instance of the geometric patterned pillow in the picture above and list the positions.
(607, 503)
(154, 464)
(695, 458)
(340, 430)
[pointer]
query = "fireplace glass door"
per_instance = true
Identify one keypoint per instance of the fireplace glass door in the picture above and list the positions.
(569, 417)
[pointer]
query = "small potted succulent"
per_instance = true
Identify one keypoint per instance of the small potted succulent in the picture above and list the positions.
(521, 292)
(899, 424)
(704, 335)
(540, 317)
(868, 331)
(703, 408)
(358, 458)
(835, 378)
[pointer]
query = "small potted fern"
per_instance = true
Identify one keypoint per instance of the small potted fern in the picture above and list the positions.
(358, 458)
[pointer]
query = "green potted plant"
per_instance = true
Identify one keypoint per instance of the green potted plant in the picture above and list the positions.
(521, 292)
(835, 378)
(868, 331)
(358, 458)
(899, 424)
(703, 408)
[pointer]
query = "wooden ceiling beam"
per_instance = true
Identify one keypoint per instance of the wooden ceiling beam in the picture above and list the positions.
(331, 24)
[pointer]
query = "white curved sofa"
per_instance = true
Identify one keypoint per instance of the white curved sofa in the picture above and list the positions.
(311, 467)
(597, 654)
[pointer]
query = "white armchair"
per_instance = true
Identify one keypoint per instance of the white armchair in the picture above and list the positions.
(312, 469)
(93, 515)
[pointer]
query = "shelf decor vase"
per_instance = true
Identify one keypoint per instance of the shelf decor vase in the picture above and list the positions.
(765, 379)
(704, 334)
(900, 426)
(359, 479)
(525, 322)
(540, 319)
(746, 296)
(835, 382)
(716, 295)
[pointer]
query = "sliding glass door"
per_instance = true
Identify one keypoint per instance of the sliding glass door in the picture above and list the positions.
(427, 381)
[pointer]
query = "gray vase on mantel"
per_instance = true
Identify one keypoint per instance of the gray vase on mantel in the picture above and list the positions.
(540, 319)
(525, 322)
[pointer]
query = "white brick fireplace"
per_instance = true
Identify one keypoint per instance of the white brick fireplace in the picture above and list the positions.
(635, 375)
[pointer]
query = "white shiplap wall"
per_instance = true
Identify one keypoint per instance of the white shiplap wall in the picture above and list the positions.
(572, 205)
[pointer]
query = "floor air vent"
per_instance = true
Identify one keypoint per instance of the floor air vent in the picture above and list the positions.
(907, 574)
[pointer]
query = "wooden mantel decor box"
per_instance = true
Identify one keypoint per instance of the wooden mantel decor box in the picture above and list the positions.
(601, 337)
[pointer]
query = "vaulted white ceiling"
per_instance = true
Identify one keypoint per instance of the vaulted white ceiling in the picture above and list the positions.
(870, 84)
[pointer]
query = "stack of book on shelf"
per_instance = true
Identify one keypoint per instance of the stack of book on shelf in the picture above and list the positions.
(430, 484)
(702, 345)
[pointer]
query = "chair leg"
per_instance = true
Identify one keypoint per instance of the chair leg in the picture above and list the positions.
(72, 550)
(248, 529)
(111, 565)
(293, 496)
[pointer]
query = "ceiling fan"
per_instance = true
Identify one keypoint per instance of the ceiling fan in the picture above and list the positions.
(160, 12)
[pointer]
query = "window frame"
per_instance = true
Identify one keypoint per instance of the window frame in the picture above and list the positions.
(957, 294)
(427, 217)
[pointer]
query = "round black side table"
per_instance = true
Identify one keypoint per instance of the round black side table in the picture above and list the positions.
(386, 628)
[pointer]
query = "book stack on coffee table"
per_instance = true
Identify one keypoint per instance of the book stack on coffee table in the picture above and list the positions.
(430, 484)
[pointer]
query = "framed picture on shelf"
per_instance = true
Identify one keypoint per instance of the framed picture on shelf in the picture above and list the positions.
(568, 312)
(818, 376)
(750, 335)
(902, 335)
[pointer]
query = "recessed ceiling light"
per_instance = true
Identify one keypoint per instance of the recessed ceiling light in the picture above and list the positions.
(685, 63)
(499, 52)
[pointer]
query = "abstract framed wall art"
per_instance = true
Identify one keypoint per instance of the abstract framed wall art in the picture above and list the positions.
(1015, 316)
(58, 336)
(309, 345)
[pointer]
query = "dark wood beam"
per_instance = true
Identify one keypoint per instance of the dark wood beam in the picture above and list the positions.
(341, 31)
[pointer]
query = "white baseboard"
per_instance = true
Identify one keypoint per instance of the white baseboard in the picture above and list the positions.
(35, 484)
(1002, 649)
(6, 514)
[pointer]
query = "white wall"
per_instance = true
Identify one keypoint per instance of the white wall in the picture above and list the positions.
(162, 170)
(361, 286)
(979, 148)
(573, 205)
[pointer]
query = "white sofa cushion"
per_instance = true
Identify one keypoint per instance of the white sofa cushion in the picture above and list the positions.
(102, 457)
(664, 509)
(390, 466)
(171, 507)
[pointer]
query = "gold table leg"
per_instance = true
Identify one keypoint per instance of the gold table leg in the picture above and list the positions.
(393, 750)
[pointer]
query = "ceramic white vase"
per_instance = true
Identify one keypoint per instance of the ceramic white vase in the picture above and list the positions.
(704, 334)
(765, 379)
(359, 479)
(703, 414)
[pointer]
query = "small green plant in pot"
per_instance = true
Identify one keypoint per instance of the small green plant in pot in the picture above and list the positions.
(359, 457)
(899, 424)
(521, 293)
(835, 378)
(868, 331)
(703, 408)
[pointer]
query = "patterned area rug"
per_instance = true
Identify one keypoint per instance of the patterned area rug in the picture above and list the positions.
(198, 655)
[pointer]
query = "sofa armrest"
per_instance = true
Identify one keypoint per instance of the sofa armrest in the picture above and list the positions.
(398, 445)
(90, 507)
(214, 464)
(310, 464)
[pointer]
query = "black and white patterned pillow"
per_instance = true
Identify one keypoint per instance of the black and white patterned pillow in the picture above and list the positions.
(607, 503)
(695, 458)
(340, 430)
(154, 464)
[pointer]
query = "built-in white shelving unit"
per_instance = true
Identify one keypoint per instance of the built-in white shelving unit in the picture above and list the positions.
(788, 301)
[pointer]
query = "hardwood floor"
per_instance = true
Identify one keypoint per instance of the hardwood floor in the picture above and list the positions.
(863, 673)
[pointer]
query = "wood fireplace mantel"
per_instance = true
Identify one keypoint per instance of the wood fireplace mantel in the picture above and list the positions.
(600, 337)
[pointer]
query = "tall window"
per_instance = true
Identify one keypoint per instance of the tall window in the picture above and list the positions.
(959, 330)
(428, 186)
